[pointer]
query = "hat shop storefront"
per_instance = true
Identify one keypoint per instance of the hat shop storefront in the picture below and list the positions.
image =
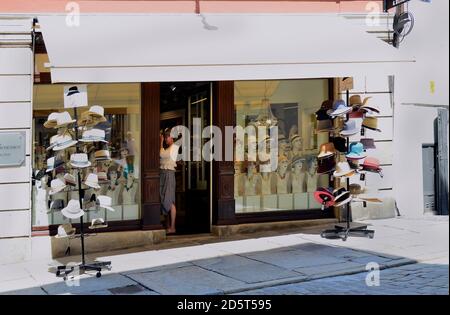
(331, 126)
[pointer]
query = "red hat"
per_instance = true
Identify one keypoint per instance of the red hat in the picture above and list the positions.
(371, 164)
(324, 197)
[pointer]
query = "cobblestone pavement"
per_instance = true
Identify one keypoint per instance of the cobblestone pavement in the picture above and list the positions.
(416, 279)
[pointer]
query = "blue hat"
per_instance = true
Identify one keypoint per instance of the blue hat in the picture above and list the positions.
(356, 151)
(349, 128)
(339, 108)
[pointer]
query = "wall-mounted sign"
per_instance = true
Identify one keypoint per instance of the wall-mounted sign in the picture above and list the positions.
(12, 149)
(389, 4)
(75, 96)
(346, 83)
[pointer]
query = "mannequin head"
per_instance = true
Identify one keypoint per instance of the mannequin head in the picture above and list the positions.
(282, 165)
(312, 166)
(123, 153)
(296, 143)
(251, 168)
(298, 166)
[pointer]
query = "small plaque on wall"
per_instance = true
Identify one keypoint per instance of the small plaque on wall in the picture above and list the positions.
(75, 96)
(346, 83)
(12, 149)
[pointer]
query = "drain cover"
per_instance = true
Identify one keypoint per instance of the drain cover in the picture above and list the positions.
(129, 289)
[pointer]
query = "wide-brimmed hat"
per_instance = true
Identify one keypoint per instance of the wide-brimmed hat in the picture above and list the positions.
(63, 119)
(98, 223)
(371, 123)
(56, 186)
(95, 115)
(324, 125)
(51, 120)
(356, 151)
(372, 164)
(350, 128)
(79, 160)
(339, 108)
(368, 143)
(63, 142)
(326, 165)
(70, 179)
(340, 144)
(92, 135)
(341, 197)
(326, 150)
(53, 140)
(73, 210)
(355, 100)
(105, 202)
(324, 196)
(92, 181)
(53, 163)
(343, 169)
(65, 230)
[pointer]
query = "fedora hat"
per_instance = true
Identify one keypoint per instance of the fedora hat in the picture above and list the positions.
(70, 179)
(371, 123)
(343, 169)
(105, 202)
(324, 197)
(56, 186)
(63, 119)
(93, 116)
(326, 165)
(63, 142)
(65, 230)
(324, 125)
(355, 100)
(73, 210)
(102, 155)
(350, 128)
(339, 108)
(326, 150)
(72, 90)
(92, 181)
(98, 223)
(356, 151)
(368, 143)
(51, 120)
(341, 197)
(53, 163)
(372, 164)
(52, 142)
(340, 144)
(79, 160)
(92, 135)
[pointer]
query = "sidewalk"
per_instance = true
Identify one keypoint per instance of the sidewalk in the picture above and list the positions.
(231, 266)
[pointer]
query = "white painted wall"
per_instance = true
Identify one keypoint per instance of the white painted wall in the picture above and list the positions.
(413, 126)
(16, 75)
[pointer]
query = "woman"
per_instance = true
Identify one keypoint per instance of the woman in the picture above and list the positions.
(167, 183)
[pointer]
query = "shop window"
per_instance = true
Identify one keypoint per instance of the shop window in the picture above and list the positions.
(118, 177)
(290, 106)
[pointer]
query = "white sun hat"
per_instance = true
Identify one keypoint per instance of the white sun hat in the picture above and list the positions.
(343, 169)
(70, 179)
(79, 160)
(105, 202)
(56, 186)
(65, 230)
(63, 142)
(51, 120)
(63, 119)
(92, 181)
(92, 135)
(98, 223)
(53, 140)
(73, 210)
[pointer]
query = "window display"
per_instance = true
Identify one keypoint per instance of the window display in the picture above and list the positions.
(111, 160)
(291, 106)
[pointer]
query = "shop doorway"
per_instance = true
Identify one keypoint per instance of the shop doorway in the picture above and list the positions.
(180, 104)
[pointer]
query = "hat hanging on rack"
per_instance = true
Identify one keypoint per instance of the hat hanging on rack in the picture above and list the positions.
(79, 160)
(371, 164)
(64, 141)
(324, 196)
(92, 181)
(342, 197)
(56, 186)
(350, 128)
(368, 143)
(326, 150)
(70, 179)
(98, 223)
(340, 144)
(105, 202)
(51, 120)
(355, 100)
(65, 230)
(95, 115)
(73, 210)
(356, 151)
(53, 163)
(343, 169)
(93, 135)
(339, 109)
(326, 165)
(371, 123)
(63, 120)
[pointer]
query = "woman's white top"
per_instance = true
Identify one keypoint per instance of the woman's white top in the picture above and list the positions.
(168, 157)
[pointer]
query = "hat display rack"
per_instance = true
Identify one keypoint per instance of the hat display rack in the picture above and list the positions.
(341, 197)
(78, 208)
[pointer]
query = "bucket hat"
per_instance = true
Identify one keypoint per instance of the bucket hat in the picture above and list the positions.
(339, 109)
(56, 186)
(343, 169)
(79, 160)
(65, 230)
(63, 119)
(355, 100)
(340, 144)
(324, 196)
(51, 120)
(326, 165)
(92, 135)
(92, 181)
(371, 164)
(98, 223)
(105, 202)
(371, 123)
(326, 150)
(53, 163)
(73, 210)
(368, 143)
(70, 179)
(63, 142)
(350, 128)
(356, 151)
(342, 197)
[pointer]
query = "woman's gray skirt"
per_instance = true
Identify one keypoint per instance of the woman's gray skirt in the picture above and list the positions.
(167, 186)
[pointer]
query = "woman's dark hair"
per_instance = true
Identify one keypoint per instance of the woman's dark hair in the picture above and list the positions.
(167, 132)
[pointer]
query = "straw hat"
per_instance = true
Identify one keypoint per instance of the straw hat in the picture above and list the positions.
(326, 150)
(355, 100)
(65, 230)
(98, 223)
(371, 123)
(70, 179)
(343, 169)
(51, 120)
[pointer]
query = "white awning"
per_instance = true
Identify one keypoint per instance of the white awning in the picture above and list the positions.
(188, 47)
